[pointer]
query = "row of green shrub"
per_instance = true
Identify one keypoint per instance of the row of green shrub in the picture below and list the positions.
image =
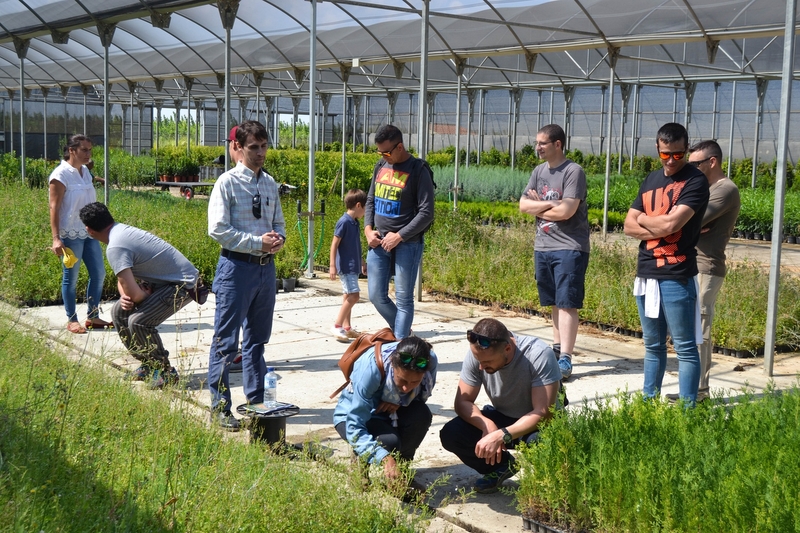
(82, 450)
(636, 466)
(490, 263)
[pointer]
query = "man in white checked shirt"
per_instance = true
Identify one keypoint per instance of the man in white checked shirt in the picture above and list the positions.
(245, 218)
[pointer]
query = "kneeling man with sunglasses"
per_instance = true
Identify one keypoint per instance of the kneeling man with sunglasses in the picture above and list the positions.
(382, 412)
(521, 376)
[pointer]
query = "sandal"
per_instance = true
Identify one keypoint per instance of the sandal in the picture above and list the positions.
(97, 323)
(75, 327)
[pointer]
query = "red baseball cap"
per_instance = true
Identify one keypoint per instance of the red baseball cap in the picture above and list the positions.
(232, 134)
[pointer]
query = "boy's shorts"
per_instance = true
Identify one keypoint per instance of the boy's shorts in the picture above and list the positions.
(349, 283)
(560, 276)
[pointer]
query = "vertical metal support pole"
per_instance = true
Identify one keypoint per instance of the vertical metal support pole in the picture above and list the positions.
(344, 133)
(106, 128)
(188, 120)
(226, 111)
(715, 111)
(613, 54)
(423, 110)
(481, 121)
(44, 117)
(780, 185)
(11, 114)
(675, 103)
(365, 126)
(552, 100)
(458, 143)
(761, 89)
(312, 134)
(539, 110)
(131, 123)
(22, 142)
(635, 125)
(730, 132)
(603, 89)
(85, 90)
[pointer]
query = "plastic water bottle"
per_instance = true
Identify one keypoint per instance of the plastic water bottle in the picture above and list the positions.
(271, 387)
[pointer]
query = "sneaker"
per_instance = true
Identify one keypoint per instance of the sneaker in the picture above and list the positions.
(492, 481)
(340, 334)
(140, 374)
(701, 397)
(566, 367)
(352, 333)
(161, 379)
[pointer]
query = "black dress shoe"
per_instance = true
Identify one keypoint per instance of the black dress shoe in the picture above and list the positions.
(225, 420)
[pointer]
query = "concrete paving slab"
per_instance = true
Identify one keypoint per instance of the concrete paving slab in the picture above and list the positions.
(305, 355)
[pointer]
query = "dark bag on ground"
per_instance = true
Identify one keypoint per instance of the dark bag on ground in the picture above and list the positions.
(200, 292)
(364, 342)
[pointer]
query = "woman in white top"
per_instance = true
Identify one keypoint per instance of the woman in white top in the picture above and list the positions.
(71, 188)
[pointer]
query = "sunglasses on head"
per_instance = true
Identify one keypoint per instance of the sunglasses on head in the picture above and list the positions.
(409, 360)
(677, 156)
(482, 340)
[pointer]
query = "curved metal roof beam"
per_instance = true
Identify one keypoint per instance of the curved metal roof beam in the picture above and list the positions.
(100, 55)
(32, 62)
(184, 43)
(367, 30)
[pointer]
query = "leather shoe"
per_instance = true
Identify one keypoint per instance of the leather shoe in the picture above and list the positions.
(225, 420)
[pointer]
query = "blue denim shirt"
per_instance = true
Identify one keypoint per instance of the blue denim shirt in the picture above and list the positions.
(362, 396)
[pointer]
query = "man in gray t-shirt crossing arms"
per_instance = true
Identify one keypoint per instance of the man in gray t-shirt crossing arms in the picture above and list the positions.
(154, 280)
(556, 196)
(520, 375)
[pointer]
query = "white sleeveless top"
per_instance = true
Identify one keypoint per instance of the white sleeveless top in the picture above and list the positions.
(80, 192)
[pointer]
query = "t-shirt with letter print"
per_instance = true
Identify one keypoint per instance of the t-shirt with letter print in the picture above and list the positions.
(673, 256)
(397, 194)
(567, 180)
(348, 254)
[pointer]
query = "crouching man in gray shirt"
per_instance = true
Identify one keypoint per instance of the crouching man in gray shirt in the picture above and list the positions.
(154, 280)
(521, 377)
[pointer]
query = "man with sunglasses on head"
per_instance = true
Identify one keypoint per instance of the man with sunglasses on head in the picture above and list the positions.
(556, 196)
(383, 414)
(245, 218)
(399, 210)
(521, 376)
(667, 216)
(718, 223)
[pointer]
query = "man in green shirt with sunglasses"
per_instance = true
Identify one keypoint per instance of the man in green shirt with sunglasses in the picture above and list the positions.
(521, 376)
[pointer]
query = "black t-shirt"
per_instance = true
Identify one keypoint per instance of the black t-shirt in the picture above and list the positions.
(673, 256)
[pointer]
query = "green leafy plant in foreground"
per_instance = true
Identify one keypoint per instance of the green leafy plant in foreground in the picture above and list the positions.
(83, 451)
(627, 464)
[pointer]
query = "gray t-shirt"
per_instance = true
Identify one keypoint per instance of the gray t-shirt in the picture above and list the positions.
(533, 365)
(718, 221)
(564, 181)
(150, 258)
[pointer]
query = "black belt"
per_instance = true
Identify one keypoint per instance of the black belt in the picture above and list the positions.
(248, 258)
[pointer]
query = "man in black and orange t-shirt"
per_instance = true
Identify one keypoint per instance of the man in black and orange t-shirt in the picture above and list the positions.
(399, 209)
(667, 217)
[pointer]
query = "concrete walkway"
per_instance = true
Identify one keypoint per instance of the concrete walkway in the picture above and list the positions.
(305, 355)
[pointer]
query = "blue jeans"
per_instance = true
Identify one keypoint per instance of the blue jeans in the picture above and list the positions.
(87, 251)
(678, 314)
(245, 294)
(403, 262)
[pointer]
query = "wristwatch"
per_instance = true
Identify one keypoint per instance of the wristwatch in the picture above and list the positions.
(507, 438)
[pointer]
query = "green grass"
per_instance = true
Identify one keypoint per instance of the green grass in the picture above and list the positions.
(630, 465)
(81, 450)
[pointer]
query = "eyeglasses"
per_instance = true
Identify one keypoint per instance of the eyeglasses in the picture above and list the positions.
(545, 143)
(257, 205)
(409, 360)
(698, 163)
(677, 156)
(389, 153)
(482, 340)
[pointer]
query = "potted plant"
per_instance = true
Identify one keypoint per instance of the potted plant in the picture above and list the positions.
(282, 271)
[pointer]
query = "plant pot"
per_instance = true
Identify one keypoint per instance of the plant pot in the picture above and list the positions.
(289, 284)
(748, 235)
(278, 284)
(791, 239)
(758, 236)
(768, 236)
